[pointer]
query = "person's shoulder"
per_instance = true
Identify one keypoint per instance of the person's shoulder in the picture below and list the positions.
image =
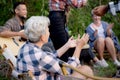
(88, 26)
(11, 20)
(104, 22)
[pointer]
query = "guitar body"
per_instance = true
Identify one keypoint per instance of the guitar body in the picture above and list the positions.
(14, 44)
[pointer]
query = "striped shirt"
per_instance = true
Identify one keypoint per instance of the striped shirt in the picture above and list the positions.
(44, 65)
(62, 5)
(12, 25)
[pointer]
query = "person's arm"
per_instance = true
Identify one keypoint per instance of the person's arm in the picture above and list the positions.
(112, 7)
(73, 43)
(7, 34)
(74, 60)
(51, 64)
(11, 29)
(70, 44)
(52, 61)
(80, 43)
(109, 29)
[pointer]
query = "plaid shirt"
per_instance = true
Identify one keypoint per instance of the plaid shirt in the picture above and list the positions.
(44, 65)
(61, 5)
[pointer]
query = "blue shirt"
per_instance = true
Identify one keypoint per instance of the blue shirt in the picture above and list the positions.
(90, 31)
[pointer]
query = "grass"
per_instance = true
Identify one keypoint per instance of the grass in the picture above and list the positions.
(105, 72)
(3, 78)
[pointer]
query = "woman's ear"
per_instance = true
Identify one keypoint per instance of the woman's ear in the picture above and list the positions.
(42, 38)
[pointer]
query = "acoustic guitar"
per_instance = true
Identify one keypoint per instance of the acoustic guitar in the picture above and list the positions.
(14, 44)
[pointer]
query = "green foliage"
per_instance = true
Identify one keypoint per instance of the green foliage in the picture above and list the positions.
(77, 22)
(3, 78)
(5, 11)
(38, 7)
(35, 8)
(80, 18)
(105, 72)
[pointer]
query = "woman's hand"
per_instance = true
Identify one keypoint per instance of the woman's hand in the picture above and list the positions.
(109, 28)
(83, 40)
(80, 43)
(22, 34)
(95, 33)
(71, 42)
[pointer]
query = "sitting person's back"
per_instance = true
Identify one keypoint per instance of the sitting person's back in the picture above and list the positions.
(45, 65)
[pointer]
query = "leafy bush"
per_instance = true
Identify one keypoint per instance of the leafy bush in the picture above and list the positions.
(35, 8)
(77, 22)
(80, 18)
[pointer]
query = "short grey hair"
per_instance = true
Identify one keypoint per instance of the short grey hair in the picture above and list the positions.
(35, 27)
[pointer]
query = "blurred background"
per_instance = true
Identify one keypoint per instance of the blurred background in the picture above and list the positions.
(78, 19)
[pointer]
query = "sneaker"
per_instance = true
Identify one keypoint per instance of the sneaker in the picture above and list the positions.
(100, 64)
(97, 64)
(117, 63)
(104, 63)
